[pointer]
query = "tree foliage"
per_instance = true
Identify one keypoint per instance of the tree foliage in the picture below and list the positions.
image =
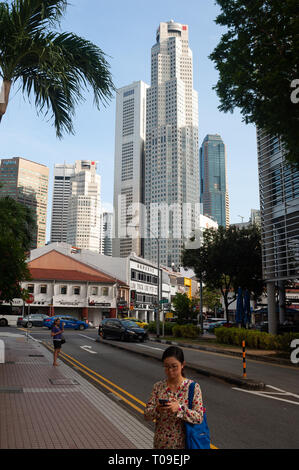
(229, 258)
(183, 307)
(257, 60)
(16, 226)
(51, 67)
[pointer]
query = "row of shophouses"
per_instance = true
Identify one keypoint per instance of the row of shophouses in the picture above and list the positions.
(70, 281)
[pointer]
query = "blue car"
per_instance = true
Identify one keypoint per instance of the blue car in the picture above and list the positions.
(67, 320)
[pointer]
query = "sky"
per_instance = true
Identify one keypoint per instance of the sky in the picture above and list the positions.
(126, 31)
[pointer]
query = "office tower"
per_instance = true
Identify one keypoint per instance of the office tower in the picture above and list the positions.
(106, 233)
(84, 211)
(60, 202)
(128, 168)
(279, 203)
(171, 150)
(27, 182)
(213, 179)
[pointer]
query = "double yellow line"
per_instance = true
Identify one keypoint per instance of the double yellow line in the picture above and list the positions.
(94, 376)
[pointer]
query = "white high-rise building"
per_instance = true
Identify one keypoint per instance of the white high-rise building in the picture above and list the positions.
(60, 202)
(129, 168)
(171, 149)
(84, 210)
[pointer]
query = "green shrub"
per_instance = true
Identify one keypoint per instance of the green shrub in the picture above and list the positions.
(177, 331)
(255, 339)
(186, 331)
(168, 326)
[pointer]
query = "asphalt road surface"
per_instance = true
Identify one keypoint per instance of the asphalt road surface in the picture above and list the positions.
(237, 419)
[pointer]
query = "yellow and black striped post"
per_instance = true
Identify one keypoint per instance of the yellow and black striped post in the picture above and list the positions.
(244, 360)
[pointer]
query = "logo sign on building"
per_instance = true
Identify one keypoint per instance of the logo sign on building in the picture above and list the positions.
(30, 299)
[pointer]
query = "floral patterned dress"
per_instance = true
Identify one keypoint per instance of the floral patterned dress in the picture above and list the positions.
(170, 428)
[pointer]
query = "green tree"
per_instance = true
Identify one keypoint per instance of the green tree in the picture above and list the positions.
(211, 298)
(16, 226)
(228, 258)
(183, 308)
(51, 67)
(257, 60)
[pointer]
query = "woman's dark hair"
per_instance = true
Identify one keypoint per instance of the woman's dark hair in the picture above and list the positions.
(177, 353)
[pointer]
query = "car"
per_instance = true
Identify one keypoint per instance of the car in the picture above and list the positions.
(213, 325)
(67, 320)
(121, 329)
(140, 323)
(34, 319)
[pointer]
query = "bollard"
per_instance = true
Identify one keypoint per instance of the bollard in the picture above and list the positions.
(244, 360)
(2, 352)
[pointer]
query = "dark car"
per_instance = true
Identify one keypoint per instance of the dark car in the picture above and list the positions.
(34, 319)
(125, 330)
(68, 322)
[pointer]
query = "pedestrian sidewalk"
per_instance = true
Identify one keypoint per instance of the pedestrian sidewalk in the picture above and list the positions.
(46, 407)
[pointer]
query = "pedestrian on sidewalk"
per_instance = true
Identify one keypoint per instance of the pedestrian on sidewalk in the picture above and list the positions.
(56, 333)
(171, 414)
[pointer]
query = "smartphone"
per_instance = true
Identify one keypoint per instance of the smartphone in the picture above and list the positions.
(163, 401)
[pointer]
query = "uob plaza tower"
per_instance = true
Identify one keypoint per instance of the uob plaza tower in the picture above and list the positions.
(171, 174)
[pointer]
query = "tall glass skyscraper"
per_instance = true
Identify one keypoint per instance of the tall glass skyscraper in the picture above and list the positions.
(213, 179)
(171, 147)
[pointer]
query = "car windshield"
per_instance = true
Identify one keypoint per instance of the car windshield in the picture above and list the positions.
(129, 323)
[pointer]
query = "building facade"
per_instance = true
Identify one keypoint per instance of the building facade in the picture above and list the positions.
(60, 201)
(213, 179)
(106, 233)
(129, 168)
(171, 149)
(27, 182)
(279, 202)
(84, 208)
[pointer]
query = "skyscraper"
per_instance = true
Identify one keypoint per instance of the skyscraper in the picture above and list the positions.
(213, 179)
(129, 168)
(171, 150)
(84, 209)
(60, 202)
(106, 233)
(279, 201)
(27, 182)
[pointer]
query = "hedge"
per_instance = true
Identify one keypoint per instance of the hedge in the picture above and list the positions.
(168, 327)
(255, 339)
(186, 331)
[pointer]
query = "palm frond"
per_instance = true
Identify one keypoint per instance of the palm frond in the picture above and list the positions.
(33, 15)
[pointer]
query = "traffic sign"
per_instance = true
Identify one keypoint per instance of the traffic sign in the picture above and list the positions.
(30, 299)
(164, 301)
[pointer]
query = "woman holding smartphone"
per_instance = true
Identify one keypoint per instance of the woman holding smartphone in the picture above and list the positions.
(168, 403)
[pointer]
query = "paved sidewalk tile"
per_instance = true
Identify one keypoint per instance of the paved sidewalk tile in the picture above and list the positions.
(36, 412)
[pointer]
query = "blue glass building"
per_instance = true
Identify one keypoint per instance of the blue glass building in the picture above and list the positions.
(213, 180)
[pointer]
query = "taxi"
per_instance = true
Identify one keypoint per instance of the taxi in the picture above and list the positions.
(140, 323)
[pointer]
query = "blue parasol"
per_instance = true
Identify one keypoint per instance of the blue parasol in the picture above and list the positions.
(240, 307)
(247, 310)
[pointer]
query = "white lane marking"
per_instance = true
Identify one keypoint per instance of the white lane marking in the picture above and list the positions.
(91, 339)
(267, 394)
(88, 349)
(150, 347)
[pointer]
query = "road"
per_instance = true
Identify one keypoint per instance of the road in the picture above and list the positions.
(237, 419)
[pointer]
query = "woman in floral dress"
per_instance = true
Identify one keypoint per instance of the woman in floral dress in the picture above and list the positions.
(169, 418)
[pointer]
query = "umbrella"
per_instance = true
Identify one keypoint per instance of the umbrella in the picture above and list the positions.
(240, 307)
(247, 310)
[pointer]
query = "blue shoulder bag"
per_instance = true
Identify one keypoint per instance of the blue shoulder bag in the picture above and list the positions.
(197, 435)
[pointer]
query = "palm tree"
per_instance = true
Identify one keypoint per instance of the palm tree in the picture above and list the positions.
(50, 66)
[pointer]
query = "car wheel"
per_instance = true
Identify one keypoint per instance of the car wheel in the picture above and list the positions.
(29, 324)
(81, 327)
(3, 322)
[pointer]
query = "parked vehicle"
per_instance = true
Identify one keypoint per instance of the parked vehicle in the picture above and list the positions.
(35, 319)
(122, 329)
(68, 322)
(9, 318)
(140, 323)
